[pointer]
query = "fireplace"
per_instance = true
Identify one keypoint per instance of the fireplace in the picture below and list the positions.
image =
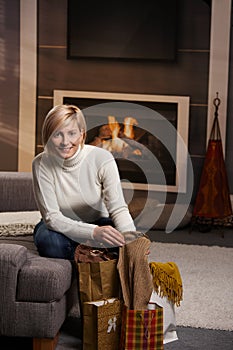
(147, 135)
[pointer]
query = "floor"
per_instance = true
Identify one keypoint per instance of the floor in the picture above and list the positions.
(189, 338)
(222, 237)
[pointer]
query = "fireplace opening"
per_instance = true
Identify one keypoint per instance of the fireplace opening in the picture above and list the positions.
(147, 135)
(134, 150)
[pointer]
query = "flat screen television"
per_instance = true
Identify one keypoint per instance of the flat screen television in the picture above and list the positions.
(122, 29)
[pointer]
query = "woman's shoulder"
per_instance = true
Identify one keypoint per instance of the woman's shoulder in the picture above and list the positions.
(98, 152)
(98, 156)
(39, 159)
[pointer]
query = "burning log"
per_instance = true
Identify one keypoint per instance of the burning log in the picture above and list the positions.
(121, 142)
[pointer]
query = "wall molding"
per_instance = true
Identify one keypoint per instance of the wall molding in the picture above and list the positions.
(27, 90)
(219, 64)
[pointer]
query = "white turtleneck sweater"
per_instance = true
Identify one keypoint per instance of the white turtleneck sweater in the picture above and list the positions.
(73, 193)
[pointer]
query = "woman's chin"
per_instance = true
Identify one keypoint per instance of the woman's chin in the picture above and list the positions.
(66, 153)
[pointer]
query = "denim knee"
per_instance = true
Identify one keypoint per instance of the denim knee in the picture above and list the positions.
(53, 244)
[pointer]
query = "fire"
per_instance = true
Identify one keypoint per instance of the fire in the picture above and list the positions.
(114, 126)
(129, 122)
(112, 138)
(115, 144)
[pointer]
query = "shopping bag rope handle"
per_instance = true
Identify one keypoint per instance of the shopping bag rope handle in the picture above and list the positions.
(146, 328)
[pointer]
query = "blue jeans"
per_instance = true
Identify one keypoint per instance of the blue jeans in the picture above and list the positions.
(54, 244)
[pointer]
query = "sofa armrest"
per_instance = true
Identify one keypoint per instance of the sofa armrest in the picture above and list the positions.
(12, 258)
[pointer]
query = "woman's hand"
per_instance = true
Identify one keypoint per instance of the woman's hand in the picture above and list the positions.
(108, 236)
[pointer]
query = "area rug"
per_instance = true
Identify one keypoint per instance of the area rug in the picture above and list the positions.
(207, 275)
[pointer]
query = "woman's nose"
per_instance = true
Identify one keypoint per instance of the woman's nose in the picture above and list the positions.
(65, 139)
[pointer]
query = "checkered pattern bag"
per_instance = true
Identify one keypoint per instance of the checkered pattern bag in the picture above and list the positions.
(142, 329)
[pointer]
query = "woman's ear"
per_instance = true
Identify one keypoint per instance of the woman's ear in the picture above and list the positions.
(82, 138)
(84, 134)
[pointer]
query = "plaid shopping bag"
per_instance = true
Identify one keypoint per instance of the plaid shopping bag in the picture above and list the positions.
(142, 329)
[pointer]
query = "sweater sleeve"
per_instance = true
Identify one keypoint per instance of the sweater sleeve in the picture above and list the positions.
(48, 206)
(113, 196)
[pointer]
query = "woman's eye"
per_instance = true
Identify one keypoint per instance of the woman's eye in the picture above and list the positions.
(56, 134)
(73, 133)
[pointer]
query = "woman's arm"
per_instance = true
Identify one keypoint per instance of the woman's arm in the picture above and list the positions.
(114, 198)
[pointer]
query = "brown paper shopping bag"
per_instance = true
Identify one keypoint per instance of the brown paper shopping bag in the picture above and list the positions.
(102, 324)
(98, 280)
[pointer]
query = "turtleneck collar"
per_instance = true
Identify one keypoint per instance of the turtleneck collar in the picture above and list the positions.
(65, 164)
(72, 161)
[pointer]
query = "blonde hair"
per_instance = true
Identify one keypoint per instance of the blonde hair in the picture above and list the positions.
(60, 115)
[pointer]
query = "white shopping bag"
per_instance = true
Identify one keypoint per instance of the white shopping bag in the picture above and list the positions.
(169, 317)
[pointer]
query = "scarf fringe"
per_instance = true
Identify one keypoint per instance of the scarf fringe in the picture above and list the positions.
(167, 281)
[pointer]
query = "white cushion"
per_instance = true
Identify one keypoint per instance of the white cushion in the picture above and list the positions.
(17, 217)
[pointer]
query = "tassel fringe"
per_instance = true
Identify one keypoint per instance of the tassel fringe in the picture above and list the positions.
(167, 281)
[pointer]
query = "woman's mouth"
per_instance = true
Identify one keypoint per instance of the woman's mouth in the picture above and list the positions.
(65, 149)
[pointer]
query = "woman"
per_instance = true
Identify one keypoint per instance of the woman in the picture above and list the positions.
(77, 189)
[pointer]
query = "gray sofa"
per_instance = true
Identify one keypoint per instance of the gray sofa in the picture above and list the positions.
(36, 293)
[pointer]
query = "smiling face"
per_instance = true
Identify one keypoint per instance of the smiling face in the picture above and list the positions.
(66, 140)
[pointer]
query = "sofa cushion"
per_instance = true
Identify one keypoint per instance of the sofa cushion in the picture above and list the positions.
(16, 191)
(43, 279)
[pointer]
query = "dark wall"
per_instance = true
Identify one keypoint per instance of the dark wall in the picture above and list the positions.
(188, 75)
(9, 84)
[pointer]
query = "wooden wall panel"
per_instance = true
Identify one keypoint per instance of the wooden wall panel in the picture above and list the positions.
(194, 25)
(56, 72)
(197, 122)
(9, 84)
(188, 75)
